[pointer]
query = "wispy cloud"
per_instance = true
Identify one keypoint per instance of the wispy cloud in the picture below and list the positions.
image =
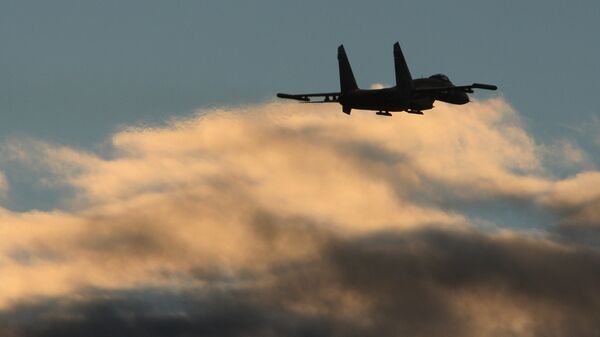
(3, 184)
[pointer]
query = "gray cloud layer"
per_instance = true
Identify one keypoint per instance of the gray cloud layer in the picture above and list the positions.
(421, 283)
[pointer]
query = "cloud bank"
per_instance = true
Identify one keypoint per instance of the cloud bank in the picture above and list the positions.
(285, 219)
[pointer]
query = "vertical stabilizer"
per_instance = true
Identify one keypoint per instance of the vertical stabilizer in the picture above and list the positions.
(404, 81)
(347, 81)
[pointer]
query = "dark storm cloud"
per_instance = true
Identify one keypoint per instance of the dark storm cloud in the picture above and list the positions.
(219, 313)
(417, 272)
(405, 284)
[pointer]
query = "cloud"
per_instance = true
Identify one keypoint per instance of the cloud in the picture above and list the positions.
(423, 282)
(4, 186)
(378, 86)
(577, 201)
(567, 154)
(293, 219)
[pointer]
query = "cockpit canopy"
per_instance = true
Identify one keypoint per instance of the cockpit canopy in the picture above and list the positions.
(440, 77)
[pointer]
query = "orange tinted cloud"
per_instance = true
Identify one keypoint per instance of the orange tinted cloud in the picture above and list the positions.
(187, 190)
(233, 194)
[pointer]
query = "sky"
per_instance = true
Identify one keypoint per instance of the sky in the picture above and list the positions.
(152, 185)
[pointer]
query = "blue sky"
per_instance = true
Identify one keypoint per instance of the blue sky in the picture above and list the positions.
(73, 71)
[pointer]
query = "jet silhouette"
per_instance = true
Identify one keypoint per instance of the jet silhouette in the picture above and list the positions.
(410, 95)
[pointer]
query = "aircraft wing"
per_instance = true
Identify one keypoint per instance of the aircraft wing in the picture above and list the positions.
(324, 97)
(463, 88)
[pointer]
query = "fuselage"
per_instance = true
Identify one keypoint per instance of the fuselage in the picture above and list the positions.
(397, 99)
(408, 94)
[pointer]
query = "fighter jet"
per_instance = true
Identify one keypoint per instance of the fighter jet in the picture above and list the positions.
(410, 95)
